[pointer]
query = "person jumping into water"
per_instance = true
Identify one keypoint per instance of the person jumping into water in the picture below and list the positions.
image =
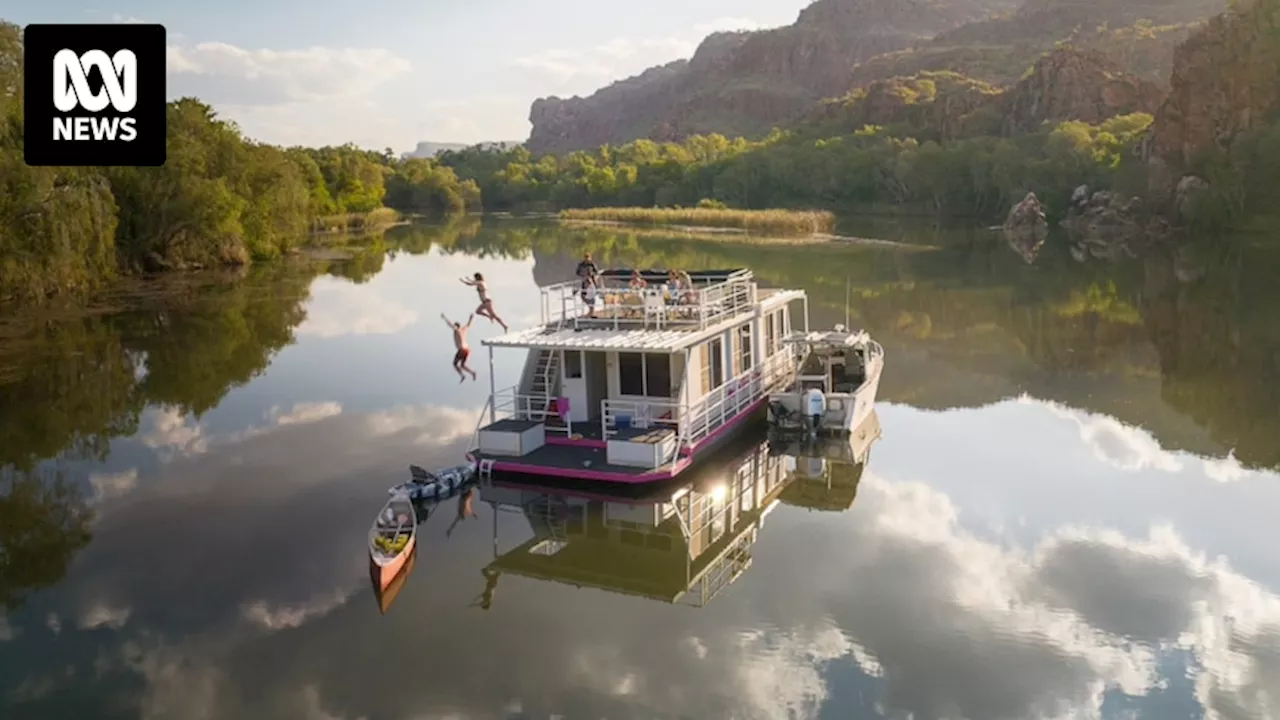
(486, 303)
(460, 341)
(466, 510)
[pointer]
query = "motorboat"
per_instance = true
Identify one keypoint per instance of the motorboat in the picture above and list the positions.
(835, 384)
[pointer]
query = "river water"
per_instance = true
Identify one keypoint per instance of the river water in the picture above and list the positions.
(1071, 511)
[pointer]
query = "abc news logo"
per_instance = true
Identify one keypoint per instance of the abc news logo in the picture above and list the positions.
(71, 91)
(107, 105)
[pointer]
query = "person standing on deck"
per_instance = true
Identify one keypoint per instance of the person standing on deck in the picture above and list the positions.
(587, 268)
(486, 303)
(460, 342)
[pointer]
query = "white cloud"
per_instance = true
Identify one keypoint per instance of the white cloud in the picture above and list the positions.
(436, 425)
(101, 615)
(584, 70)
(938, 603)
(782, 674)
(304, 413)
(173, 434)
(1160, 591)
(1122, 446)
(281, 617)
(109, 486)
(340, 308)
(300, 414)
(1226, 470)
(224, 74)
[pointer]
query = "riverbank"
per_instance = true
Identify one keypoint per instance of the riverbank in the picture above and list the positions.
(738, 235)
(781, 223)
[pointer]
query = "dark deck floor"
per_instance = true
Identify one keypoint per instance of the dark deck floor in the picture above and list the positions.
(589, 430)
(570, 458)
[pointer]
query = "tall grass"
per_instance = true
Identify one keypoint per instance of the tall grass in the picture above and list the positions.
(772, 222)
(373, 221)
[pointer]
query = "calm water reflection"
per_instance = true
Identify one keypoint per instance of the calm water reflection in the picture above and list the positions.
(1071, 511)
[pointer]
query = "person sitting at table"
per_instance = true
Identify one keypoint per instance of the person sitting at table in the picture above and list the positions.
(637, 282)
(681, 287)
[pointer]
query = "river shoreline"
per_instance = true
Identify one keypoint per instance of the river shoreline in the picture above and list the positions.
(738, 234)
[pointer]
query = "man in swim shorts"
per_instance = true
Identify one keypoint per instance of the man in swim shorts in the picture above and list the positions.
(460, 342)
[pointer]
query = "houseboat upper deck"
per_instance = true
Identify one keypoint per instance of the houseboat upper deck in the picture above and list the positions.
(633, 387)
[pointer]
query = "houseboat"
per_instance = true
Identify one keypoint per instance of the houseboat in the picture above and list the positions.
(637, 388)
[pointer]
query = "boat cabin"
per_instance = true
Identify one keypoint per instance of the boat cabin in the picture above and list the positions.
(834, 362)
(627, 381)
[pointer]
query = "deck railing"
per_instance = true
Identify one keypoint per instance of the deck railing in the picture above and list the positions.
(510, 404)
(713, 410)
(650, 308)
(698, 420)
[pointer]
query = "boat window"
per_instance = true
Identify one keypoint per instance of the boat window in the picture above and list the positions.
(657, 375)
(573, 364)
(631, 374)
(644, 375)
(743, 360)
(716, 350)
(770, 334)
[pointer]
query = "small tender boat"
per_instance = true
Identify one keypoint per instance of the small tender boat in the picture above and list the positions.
(437, 485)
(835, 384)
(392, 539)
(386, 594)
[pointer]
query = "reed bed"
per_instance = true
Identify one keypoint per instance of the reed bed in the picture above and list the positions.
(782, 223)
(373, 221)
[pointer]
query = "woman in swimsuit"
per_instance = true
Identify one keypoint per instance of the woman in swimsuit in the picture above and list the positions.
(486, 303)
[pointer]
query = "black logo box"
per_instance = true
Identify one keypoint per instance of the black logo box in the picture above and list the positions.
(148, 43)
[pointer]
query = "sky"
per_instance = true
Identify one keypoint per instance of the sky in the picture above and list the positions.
(393, 73)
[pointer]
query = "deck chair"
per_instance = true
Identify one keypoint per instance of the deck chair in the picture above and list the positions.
(655, 308)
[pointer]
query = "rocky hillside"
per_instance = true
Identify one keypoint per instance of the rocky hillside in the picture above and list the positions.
(1066, 84)
(1069, 84)
(745, 83)
(1226, 81)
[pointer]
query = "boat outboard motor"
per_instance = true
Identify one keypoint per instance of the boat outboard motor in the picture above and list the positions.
(815, 407)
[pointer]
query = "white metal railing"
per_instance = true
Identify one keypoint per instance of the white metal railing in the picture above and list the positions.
(698, 419)
(623, 307)
(510, 404)
(641, 414)
(717, 407)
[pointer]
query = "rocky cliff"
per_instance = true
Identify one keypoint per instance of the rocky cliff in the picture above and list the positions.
(745, 83)
(1226, 81)
(1071, 84)
(1066, 84)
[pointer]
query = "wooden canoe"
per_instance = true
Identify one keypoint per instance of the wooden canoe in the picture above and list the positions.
(392, 539)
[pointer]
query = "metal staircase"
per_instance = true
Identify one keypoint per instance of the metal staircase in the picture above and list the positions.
(545, 384)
